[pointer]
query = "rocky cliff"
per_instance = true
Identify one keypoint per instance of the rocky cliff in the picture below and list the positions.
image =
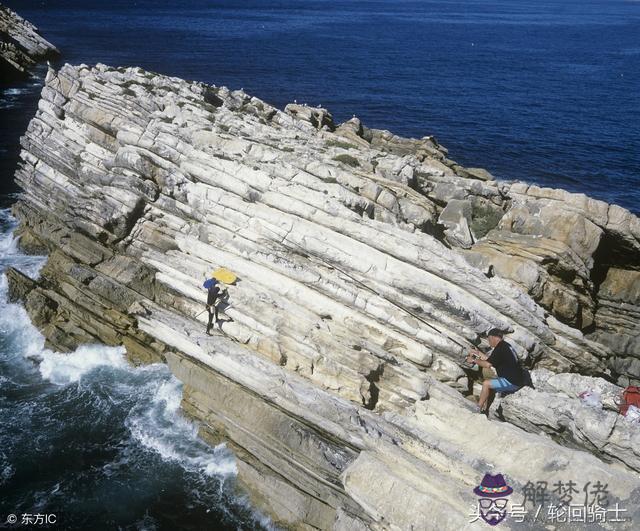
(21, 46)
(367, 264)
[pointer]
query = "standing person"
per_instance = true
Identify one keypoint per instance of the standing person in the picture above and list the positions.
(213, 292)
(503, 358)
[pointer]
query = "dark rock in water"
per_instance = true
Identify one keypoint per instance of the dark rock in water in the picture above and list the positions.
(367, 263)
(19, 285)
(21, 47)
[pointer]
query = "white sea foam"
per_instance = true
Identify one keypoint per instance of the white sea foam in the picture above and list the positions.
(8, 245)
(14, 91)
(10, 97)
(15, 323)
(159, 426)
(10, 254)
(62, 369)
(56, 367)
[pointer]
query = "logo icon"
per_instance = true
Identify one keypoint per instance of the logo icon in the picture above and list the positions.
(493, 494)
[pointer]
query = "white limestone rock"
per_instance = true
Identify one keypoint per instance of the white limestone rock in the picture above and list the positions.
(335, 374)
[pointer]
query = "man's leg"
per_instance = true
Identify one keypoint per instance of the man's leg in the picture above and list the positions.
(491, 387)
(210, 323)
(484, 394)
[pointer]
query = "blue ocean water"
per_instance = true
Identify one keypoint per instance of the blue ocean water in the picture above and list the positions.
(546, 91)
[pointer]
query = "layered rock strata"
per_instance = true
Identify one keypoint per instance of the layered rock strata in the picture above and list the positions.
(367, 265)
(21, 46)
(555, 407)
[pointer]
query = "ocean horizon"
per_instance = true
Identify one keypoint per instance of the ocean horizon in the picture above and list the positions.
(544, 92)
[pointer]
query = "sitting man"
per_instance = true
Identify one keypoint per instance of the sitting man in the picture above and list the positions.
(504, 360)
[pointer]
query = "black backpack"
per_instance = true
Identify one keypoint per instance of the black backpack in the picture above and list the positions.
(526, 375)
(526, 378)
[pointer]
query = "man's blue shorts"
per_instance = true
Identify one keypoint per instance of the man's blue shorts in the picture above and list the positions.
(502, 385)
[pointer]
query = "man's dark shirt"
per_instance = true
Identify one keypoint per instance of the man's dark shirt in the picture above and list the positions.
(504, 361)
(212, 295)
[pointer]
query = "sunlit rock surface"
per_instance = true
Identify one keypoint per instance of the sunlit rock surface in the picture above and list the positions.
(368, 264)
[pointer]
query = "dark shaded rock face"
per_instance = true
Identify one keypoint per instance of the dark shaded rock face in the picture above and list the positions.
(21, 47)
(367, 262)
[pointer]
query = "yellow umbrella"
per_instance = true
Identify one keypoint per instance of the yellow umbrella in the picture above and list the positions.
(224, 275)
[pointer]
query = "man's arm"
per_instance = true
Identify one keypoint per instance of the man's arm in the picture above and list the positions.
(480, 359)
